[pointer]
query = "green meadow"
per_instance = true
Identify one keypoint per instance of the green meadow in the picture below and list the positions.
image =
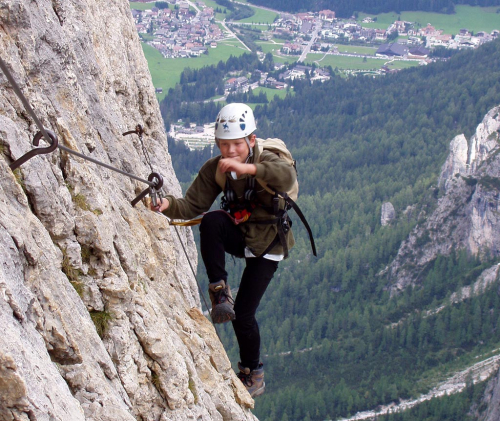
(355, 63)
(166, 72)
(356, 49)
(141, 6)
(269, 47)
(402, 64)
(285, 59)
(271, 93)
(260, 16)
(473, 18)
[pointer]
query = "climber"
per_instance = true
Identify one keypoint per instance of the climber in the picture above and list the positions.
(247, 227)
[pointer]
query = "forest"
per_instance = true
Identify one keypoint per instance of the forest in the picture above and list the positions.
(334, 341)
(345, 9)
(186, 100)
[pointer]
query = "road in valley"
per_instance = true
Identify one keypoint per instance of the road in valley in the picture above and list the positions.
(314, 36)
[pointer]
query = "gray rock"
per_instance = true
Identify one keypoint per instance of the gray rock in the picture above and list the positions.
(100, 314)
(387, 214)
(467, 215)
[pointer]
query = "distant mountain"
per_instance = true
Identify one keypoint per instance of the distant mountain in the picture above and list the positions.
(350, 315)
(466, 217)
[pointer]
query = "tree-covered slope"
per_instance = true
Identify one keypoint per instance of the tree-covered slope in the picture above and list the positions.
(344, 8)
(360, 142)
(326, 322)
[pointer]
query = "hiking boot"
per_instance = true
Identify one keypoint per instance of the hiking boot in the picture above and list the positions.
(252, 379)
(222, 302)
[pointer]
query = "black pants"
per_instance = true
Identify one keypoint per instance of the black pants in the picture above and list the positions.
(219, 235)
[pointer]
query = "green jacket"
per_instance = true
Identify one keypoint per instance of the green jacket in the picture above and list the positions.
(200, 196)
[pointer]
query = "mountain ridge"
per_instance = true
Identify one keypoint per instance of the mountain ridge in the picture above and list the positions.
(464, 218)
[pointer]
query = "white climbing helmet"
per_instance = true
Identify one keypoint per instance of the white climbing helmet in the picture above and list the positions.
(234, 121)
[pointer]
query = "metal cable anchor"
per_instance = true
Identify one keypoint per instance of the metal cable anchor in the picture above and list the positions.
(38, 151)
(138, 130)
(153, 190)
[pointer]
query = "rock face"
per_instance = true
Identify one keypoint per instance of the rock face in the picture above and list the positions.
(387, 213)
(99, 312)
(491, 400)
(467, 215)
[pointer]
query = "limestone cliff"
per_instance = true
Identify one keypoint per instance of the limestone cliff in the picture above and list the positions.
(467, 214)
(100, 315)
(467, 217)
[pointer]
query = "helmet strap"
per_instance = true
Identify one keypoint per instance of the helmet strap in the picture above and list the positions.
(250, 150)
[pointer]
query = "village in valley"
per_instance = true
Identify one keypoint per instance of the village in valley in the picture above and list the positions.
(179, 32)
(188, 30)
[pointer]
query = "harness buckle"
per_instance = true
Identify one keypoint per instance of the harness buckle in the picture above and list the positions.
(286, 222)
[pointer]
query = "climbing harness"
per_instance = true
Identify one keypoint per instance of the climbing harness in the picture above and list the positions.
(239, 211)
(154, 181)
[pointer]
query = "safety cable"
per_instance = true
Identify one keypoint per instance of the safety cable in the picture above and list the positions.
(51, 138)
(155, 180)
(194, 273)
(25, 102)
(102, 164)
(145, 152)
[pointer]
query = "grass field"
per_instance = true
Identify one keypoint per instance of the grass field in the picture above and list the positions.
(167, 72)
(356, 49)
(260, 16)
(469, 17)
(232, 43)
(401, 64)
(269, 47)
(271, 93)
(141, 6)
(280, 40)
(285, 60)
(354, 63)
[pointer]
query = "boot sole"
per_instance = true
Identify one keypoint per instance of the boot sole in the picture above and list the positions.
(259, 391)
(222, 314)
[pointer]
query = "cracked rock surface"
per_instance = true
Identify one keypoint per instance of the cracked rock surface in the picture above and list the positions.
(99, 312)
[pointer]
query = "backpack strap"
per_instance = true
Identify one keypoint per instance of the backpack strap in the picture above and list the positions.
(303, 219)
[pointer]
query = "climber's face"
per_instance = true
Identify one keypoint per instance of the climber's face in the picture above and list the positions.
(236, 148)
